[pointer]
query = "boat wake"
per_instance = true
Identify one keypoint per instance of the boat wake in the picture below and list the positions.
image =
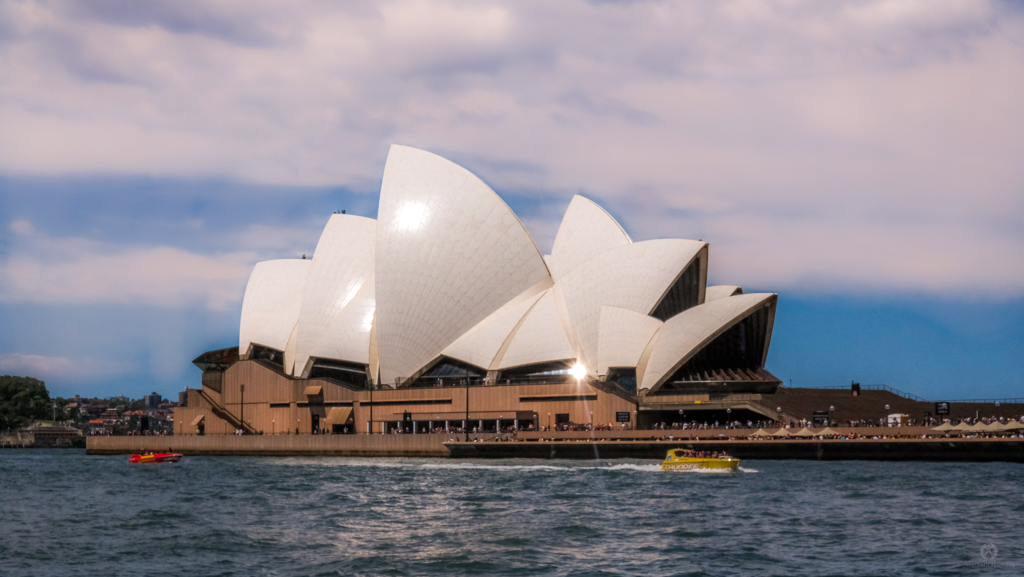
(653, 468)
(503, 467)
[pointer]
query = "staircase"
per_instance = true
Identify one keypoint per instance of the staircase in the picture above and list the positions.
(225, 414)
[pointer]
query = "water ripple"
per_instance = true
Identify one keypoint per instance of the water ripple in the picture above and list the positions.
(62, 513)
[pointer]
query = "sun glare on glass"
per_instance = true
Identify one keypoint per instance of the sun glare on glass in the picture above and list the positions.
(578, 371)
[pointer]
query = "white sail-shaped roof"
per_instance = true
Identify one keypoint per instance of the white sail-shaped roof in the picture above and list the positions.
(540, 337)
(624, 335)
(721, 291)
(271, 304)
(481, 344)
(348, 336)
(449, 253)
(449, 270)
(341, 267)
(685, 334)
(634, 277)
(586, 231)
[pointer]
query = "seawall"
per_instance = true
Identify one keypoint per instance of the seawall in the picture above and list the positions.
(581, 445)
(276, 446)
(963, 450)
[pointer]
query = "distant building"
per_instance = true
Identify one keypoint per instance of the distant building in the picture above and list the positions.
(153, 400)
(56, 436)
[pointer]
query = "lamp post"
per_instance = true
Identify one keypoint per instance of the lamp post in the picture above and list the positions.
(887, 415)
(549, 422)
(778, 413)
(273, 427)
(728, 423)
(634, 420)
(998, 416)
(241, 411)
(831, 410)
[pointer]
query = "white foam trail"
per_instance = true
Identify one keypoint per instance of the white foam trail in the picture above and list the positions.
(629, 466)
(523, 467)
(654, 468)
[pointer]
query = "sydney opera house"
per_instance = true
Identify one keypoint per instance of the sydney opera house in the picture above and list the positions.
(443, 313)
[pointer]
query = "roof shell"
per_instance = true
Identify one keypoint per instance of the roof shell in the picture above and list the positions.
(586, 231)
(449, 253)
(539, 338)
(685, 334)
(348, 336)
(624, 334)
(341, 267)
(633, 277)
(481, 344)
(270, 307)
(721, 291)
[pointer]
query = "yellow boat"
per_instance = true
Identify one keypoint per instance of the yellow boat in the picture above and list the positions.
(683, 460)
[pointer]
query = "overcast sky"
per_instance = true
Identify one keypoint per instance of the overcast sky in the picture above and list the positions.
(863, 159)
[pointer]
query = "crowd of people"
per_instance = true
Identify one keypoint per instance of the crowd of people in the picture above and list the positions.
(702, 454)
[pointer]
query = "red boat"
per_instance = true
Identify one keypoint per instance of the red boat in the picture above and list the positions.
(155, 458)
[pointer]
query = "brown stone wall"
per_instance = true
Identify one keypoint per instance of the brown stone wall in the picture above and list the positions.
(197, 405)
(277, 404)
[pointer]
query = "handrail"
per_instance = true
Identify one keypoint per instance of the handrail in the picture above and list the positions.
(1014, 400)
(892, 390)
(910, 395)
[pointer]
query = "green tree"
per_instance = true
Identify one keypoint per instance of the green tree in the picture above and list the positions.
(22, 400)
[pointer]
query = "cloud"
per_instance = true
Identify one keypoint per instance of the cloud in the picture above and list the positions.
(22, 227)
(889, 118)
(67, 270)
(44, 367)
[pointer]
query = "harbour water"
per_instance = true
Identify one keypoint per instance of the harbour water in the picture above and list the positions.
(65, 513)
